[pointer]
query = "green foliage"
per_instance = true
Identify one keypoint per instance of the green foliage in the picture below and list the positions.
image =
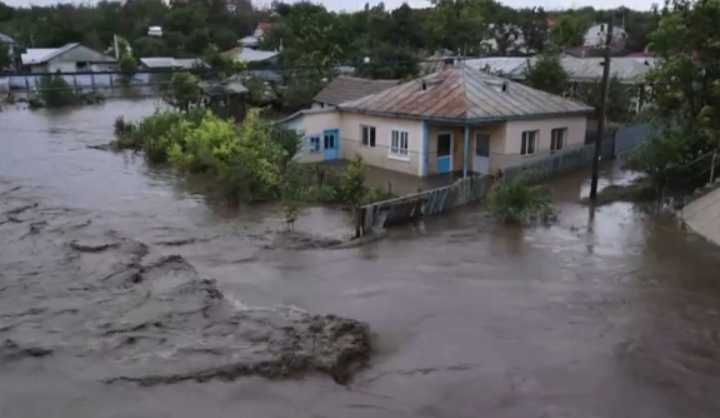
(309, 33)
(346, 186)
(390, 63)
(6, 60)
(293, 191)
(685, 92)
(569, 31)
(53, 91)
(184, 91)
(547, 73)
(618, 98)
(519, 201)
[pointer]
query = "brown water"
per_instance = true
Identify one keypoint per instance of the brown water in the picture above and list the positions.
(612, 315)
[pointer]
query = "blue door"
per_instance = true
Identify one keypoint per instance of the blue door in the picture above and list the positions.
(331, 145)
(444, 153)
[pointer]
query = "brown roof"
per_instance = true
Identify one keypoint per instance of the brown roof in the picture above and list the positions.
(345, 88)
(462, 94)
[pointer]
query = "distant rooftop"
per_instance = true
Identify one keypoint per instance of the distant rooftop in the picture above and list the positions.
(252, 55)
(627, 69)
(6, 39)
(170, 62)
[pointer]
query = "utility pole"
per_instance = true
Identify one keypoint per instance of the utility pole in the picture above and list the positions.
(603, 109)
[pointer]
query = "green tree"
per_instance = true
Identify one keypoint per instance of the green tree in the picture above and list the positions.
(519, 201)
(6, 60)
(569, 31)
(183, 91)
(685, 89)
(617, 107)
(547, 73)
(293, 192)
(390, 63)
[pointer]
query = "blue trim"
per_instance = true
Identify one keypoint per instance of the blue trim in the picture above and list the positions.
(466, 147)
(331, 154)
(426, 148)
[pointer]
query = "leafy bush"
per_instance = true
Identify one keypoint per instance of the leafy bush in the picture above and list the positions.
(519, 201)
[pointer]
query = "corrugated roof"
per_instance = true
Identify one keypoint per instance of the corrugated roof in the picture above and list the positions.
(462, 94)
(170, 62)
(36, 55)
(6, 39)
(63, 49)
(344, 88)
(41, 55)
(627, 69)
(215, 88)
(508, 66)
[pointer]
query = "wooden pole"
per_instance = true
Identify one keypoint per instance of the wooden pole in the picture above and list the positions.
(602, 111)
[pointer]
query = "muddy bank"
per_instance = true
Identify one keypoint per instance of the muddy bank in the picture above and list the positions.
(96, 297)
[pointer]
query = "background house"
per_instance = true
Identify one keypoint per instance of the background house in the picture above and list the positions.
(457, 120)
(161, 68)
(597, 34)
(71, 58)
(75, 62)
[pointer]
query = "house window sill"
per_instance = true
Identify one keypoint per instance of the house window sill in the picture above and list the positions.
(399, 158)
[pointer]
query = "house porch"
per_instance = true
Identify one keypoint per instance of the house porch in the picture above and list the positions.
(462, 149)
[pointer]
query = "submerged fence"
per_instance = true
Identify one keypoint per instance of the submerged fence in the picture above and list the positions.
(472, 189)
(560, 163)
(431, 202)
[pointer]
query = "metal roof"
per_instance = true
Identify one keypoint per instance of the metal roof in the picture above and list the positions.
(215, 88)
(6, 39)
(503, 65)
(464, 95)
(627, 69)
(170, 62)
(255, 55)
(344, 88)
(41, 55)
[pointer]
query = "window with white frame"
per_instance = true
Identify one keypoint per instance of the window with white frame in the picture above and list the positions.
(368, 135)
(314, 144)
(399, 144)
(557, 139)
(529, 143)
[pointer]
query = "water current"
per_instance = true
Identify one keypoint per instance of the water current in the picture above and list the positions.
(111, 269)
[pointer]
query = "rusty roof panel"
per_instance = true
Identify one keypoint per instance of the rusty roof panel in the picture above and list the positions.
(462, 94)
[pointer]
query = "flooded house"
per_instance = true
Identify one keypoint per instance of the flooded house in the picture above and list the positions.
(458, 120)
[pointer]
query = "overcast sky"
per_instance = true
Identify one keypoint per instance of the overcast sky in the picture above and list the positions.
(391, 4)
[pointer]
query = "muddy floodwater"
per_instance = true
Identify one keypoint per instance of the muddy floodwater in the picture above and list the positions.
(123, 293)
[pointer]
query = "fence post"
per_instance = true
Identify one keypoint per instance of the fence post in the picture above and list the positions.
(712, 167)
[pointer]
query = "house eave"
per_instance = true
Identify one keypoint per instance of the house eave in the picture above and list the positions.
(471, 121)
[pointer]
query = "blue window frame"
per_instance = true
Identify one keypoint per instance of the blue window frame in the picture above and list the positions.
(314, 144)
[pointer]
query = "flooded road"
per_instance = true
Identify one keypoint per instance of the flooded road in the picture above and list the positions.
(608, 315)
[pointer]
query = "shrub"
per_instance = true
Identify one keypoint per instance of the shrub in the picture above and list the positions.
(519, 201)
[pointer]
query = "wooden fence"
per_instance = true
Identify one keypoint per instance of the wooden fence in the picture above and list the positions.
(431, 202)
